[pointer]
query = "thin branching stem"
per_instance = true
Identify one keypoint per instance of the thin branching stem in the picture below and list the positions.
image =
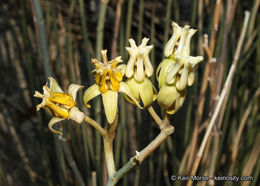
(166, 130)
(97, 126)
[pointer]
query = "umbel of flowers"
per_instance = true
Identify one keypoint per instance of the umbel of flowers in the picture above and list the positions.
(176, 71)
(174, 74)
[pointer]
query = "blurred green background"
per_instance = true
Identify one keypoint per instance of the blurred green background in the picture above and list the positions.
(59, 37)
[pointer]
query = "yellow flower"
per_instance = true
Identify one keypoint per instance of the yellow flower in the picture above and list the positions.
(138, 71)
(59, 104)
(176, 71)
(108, 83)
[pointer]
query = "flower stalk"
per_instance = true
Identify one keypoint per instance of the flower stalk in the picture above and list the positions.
(166, 130)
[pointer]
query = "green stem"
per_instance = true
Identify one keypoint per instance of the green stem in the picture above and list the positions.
(167, 23)
(156, 118)
(140, 24)
(97, 126)
(85, 37)
(108, 148)
(43, 41)
(100, 28)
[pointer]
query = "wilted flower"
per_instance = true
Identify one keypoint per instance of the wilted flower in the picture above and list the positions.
(138, 71)
(59, 104)
(108, 82)
(176, 71)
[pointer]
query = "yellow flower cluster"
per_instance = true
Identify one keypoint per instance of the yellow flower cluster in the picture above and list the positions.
(174, 74)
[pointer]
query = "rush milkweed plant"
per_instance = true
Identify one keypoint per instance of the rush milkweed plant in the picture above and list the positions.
(174, 74)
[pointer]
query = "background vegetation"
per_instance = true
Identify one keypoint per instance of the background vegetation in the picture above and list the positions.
(59, 37)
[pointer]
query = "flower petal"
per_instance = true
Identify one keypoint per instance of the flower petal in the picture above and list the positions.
(182, 82)
(133, 52)
(62, 99)
(73, 89)
(179, 101)
(147, 93)
(110, 104)
(167, 95)
(164, 70)
(139, 74)
(147, 63)
(172, 71)
(38, 94)
(90, 93)
(54, 86)
(184, 33)
(191, 77)
(186, 47)
(169, 47)
(113, 80)
(41, 105)
(103, 86)
(121, 68)
(134, 87)
(47, 92)
(158, 70)
(144, 42)
(123, 88)
(194, 60)
(52, 122)
(56, 110)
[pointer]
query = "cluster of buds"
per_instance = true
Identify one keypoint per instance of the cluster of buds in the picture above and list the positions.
(176, 71)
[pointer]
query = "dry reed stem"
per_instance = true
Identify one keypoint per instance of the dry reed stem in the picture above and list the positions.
(250, 40)
(93, 178)
(242, 126)
(184, 160)
(253, 17)
(252, 160)
(200, 107)
(212, 62)
(231, 5)
(200, 26)
(224, 93)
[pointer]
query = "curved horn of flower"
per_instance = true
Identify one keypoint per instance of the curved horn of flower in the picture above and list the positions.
(59, 104)
(177, 70)
(108, 83)
(138, 71)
